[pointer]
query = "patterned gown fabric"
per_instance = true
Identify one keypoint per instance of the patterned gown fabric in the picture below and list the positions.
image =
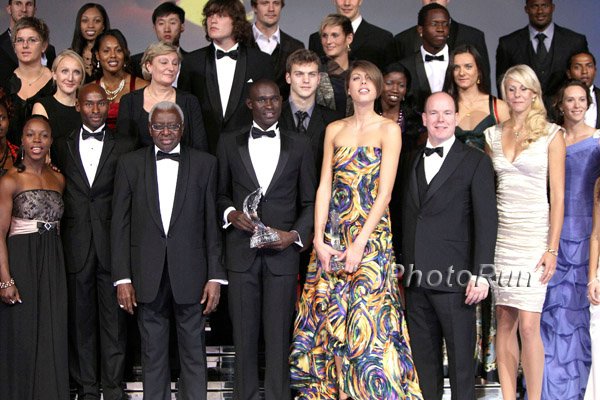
(592, 391)
(523, 220)
(565, 320)
(357, 317)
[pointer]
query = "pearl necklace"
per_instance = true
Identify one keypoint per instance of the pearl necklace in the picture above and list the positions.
(112, 94)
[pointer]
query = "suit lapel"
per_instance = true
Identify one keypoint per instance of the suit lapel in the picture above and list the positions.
(107, 148)
(152, 187)
(212, 83)
(412, 184)
(452, 161)
(6, 45)
(182, 185)
(421, 74)
(73, 145)
(284, 154)
(315, 123)
(359, 36)
(242, 145)
(237, 88)
(597, 94)
(286, 119)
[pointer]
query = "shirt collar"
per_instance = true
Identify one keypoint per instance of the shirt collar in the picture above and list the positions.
(177, 149)
(257, 34)
(274, 127)
(97, 130)
(549, 31)
(234, 47)
(294, 108)
(447, 145)
(444, 52)
(356, 23)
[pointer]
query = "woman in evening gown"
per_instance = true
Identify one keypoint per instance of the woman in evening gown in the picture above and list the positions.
(33, 288)
(350, 338)
(527, 152)
(565, 317)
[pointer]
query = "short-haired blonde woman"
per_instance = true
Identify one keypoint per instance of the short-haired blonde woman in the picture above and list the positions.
(528, 153)
(160, 65)
(68, 73)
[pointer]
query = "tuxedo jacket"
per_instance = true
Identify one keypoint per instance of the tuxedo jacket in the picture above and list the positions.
(408, 42)
(370, 43)
(133, 119)
(419, 87)
(516, 48)
(190, 248)
(88, 208)
(199, 77)
(456, 225)
(597, 94)
(287, 45)
(287, 204)
(9, 61)
(135, 61)
(315, 132)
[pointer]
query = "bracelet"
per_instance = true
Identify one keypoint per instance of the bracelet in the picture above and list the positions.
(552, 251)
(596, 279)
(6, 285)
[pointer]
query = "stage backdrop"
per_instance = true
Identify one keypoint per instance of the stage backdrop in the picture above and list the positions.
(302, 17)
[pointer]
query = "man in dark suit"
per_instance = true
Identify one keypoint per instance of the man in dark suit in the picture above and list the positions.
(409, 42)
(88, 159)
(218, 74)
(582, 66)
(166, 250)
(262, 281)
(428, 67)
(369, 43)
(543, 45)
(270, 39)
(168, 21)
(449, 223)
(16, 9)
(301, 113)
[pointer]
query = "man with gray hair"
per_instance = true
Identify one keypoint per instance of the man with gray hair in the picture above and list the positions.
(166, 250)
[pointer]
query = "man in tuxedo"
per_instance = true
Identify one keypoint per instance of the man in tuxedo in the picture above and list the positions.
(428, 67)
(262, 281)
(270, 39)
(582, 66)
(88, 158)
(370, 42)
(301, 113)
(219, 73)
(168, 21)
(543, 45)
(449, 223)
(17, 9)
(166, 251)
(409, 42)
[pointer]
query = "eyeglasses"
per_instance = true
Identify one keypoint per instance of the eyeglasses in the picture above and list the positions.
(161, 127)
(30, 41)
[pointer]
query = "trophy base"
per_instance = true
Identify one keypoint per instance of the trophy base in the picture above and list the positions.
(263, 237)
(336, 265)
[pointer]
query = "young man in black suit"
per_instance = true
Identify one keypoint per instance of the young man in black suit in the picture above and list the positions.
(87, 157)
(370, 42)
(262, 281)
(449, 225)
(543, 45)
(409, 42)
(428, 67)
(168, 21)
(166, 251)
(219, 73)
(270, 39)
(582, 66)
(17, 9)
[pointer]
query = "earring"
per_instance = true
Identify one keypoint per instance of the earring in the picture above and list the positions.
(97, 64)
(348, 48)
(478, 81)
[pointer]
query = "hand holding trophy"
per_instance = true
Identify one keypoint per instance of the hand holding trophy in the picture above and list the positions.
(262, 234)
(336, 240)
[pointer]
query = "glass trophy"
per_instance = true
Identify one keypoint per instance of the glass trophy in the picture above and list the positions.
(336, 240)
(262, 234)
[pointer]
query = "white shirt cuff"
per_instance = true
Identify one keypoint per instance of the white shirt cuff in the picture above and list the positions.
(479, 280)
(299, 241)
(226, 223)
(221, 281)
(121, 282)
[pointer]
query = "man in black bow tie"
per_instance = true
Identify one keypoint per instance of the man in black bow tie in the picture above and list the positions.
(166, 251)
(262, 282)
(88, 158)
(428, 66)
(449, 225)
(219, 73)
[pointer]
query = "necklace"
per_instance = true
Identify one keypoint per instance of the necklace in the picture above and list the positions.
(112, 94)
(35, 80)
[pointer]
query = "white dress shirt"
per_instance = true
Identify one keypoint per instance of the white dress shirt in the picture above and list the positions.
(225, 72)
(433, 163)
(435, 69)
(549, 32)
(591, 114)
(90, 150)
(166, 177)
(356, 23)
(267, 44)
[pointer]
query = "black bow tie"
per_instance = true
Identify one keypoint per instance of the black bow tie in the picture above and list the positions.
(85, 134)
(161, 155)
(439, 150)
(257, 133)
(233, 54)
(429, 57)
